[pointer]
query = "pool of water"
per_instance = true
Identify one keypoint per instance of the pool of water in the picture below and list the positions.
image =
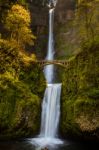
(26, 145)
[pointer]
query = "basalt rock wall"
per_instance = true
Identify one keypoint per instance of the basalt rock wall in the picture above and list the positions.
(64, 12)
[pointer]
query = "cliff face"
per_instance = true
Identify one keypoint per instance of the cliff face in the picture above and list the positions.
(39, 25)
(65, 35)
(80, 95)
(64, 12)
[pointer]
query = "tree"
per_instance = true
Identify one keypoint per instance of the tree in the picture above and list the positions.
(17, 23)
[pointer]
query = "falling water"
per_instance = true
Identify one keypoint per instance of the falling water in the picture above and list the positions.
(49, 70)
(51, 102)
(51, 111)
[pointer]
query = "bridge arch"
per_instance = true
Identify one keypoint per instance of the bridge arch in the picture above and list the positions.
(62, 63)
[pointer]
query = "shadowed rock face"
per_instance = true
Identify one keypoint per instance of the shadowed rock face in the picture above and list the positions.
(39, 25)
(39, 15)
(64, 10)
(39, 11)
(65, 42)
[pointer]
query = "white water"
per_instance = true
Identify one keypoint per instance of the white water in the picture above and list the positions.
(50, 118)
(53, 2)
(50, 111)
(51, 101)
(49, 69)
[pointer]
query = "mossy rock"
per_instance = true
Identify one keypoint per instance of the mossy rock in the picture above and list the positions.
(19, 109)
(80, 94)
(22, 86)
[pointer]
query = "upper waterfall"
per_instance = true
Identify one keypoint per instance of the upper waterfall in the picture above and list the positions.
(49, 69)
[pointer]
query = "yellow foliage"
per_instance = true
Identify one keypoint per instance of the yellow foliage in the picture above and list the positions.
(17, 22)
(26, 58)
(18, 14)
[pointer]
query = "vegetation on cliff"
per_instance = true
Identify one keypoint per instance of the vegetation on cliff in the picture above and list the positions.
(80, 93)
(20, 76)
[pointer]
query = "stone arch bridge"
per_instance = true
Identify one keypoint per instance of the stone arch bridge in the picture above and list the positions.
(62, 63)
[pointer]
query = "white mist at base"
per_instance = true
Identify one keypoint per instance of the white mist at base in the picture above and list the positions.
(43, 142)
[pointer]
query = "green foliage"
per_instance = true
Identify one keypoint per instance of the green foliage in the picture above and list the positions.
(22, 2)
(80, 93)
(20, 97)
(20, 76)
(32, 75)
(20, 101)
(18, 107)
(86, 20)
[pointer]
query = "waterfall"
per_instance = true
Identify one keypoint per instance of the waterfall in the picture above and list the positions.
(49, 70)
(51, 101)
(50, 111)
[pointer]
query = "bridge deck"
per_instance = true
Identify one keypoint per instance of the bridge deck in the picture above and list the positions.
(56, 62)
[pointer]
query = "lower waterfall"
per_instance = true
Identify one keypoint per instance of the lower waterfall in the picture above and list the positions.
(51, 111)
(50, 117)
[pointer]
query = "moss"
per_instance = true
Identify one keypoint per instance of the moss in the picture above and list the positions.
(19, 108)
(20, 97)
(80, 94)
(32, 75)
